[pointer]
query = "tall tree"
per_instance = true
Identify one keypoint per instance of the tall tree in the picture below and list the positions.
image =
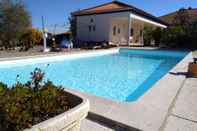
(73, 26)
(14, 20)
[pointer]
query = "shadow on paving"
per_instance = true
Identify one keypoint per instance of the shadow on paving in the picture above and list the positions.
(113, 125)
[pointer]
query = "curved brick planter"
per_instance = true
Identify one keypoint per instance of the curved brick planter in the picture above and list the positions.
(192, 69)
(67, 121)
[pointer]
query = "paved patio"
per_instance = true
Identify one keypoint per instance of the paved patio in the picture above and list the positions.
(88, 125)
(183, 114)
(33, 52)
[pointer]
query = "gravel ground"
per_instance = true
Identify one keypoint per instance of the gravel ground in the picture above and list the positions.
(31, 52)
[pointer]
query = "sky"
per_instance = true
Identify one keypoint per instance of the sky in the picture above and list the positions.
(58, 11)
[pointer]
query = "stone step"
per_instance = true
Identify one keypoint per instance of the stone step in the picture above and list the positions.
(95, 122)
(88, 125)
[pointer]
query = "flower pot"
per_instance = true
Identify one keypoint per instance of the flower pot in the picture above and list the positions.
(67, 121)
(192, 69)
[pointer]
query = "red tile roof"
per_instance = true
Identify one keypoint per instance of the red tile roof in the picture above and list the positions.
(116, 6)
(101, 8)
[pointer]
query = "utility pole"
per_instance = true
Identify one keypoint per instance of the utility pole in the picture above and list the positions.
(44, 36)
(55, 26)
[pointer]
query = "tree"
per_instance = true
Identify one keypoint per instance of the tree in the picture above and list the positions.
(73, 27)
(147, 35)
(14, 20)
(182, 33)
(157, 34)
(31, 37)
(191, 33)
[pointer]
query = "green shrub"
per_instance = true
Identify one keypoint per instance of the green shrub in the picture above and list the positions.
(3, 88)
(148, 35)
(180, 36)
(21, 106)
(157, 34)
(30, 38)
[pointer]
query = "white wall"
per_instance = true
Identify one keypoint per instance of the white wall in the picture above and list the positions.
(102, 23)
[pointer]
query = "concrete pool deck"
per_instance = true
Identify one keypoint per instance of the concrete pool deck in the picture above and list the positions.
(161, 108)
(183, 114)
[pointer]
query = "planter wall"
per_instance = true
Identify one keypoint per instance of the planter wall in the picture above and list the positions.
(67, 121)
(192, 69)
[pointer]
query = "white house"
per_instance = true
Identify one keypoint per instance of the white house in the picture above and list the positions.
(114, 22)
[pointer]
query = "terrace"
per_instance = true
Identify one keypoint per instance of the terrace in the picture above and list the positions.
(92, 77)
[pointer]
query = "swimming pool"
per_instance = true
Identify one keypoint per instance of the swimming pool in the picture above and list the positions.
(122, 75)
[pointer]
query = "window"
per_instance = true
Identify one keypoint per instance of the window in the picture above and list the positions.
(131, 32)
(94, 28)
(114, 30)
(90, 28)
(118, 30)
(141, 32)
(91, 20)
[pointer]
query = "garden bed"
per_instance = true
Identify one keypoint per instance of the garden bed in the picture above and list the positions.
(40, 106)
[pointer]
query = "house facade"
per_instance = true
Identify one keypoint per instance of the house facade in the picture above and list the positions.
(116, 23)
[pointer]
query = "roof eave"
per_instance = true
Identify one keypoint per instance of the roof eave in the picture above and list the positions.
(123, 10)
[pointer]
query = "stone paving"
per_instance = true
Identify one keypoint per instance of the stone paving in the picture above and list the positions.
(88, 125)
(177, 124)
(34, 52)
(183, 115)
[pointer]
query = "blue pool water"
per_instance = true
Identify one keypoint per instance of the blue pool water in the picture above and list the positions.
(123, 76)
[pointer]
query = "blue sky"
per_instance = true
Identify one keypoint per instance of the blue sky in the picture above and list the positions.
(57, 11)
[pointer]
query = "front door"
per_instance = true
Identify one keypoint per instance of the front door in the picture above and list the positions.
(118, 33)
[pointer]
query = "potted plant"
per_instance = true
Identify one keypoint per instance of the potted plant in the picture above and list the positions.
(38, 106)
(193, 66)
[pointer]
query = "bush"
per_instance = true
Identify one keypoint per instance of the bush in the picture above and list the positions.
(182, 33)
(21, 106)
(30, 38)
(180, 36)
(147, 35)
(157, 34)
(173, 35)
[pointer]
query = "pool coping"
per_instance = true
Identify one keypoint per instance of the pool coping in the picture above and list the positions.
(150, 111)
(55, 57)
